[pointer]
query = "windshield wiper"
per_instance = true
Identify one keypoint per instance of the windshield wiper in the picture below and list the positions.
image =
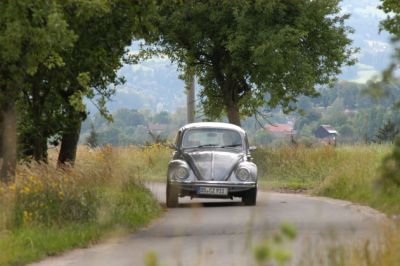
(214, 145)
(204, 145)
(230, 146)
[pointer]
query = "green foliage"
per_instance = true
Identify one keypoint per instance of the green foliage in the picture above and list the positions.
(130, 127)
(243, 50)
(54, 201)
(390, 168)
(50, 210)
(151, 259)
(392, 22)
(83, 64)
(354, 173)
(33, 35)
(273, 250)
(388, 132)
(162, 118)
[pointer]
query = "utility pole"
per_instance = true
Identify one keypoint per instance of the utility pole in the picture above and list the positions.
(190, 96)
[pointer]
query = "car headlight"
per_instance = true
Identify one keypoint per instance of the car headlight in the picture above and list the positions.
(243, 174)
(181, 172)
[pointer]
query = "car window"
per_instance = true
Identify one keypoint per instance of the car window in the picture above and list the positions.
(199, 137)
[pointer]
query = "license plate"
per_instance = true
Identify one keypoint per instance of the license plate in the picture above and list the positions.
(213, 190)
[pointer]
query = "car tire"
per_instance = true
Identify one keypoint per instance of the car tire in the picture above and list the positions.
(172, 197)
(250, 198)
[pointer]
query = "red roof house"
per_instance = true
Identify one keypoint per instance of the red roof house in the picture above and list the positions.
(281, 129)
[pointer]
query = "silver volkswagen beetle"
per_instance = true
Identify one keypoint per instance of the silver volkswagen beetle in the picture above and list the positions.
(211, 160)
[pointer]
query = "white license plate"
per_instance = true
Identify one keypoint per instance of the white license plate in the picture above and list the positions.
(213, 190)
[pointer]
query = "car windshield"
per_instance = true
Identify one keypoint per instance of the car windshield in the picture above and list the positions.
(211, 137)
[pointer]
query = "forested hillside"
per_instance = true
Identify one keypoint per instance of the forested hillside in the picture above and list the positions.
(350, 107)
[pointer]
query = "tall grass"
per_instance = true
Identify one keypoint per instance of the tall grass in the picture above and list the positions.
(48, 209)
(386, 253)
(345, 172)
(294, 168)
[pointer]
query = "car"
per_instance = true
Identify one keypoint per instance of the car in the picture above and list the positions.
(211, 160)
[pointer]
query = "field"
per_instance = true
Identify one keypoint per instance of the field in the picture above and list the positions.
(346, 172)
(49, 210)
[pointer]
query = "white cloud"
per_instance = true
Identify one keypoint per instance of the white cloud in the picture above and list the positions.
(377, 46)
(365, 73)
(142, 68)
(369, 11)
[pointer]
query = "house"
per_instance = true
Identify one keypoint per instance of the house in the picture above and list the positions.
(327, 134)
(279, 129)
(157, 128)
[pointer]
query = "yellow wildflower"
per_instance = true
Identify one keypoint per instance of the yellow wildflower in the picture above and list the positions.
(26, 190)
(12, 187)
(27, 217)
(61, 194)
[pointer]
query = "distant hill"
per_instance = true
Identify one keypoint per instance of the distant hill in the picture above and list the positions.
(155, 85)
(375, 47)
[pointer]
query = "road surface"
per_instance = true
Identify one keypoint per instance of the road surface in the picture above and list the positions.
(224, 232)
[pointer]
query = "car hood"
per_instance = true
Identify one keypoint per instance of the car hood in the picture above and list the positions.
(213, 165)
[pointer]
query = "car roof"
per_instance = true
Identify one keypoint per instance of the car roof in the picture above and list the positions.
(213, 125)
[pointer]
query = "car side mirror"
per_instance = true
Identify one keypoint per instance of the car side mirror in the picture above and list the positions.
(252, 148)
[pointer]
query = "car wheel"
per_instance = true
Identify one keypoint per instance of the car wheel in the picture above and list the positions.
(172, 197)
(250, 198)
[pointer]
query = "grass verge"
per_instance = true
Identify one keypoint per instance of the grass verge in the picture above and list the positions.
(49, 210)
(346, 172)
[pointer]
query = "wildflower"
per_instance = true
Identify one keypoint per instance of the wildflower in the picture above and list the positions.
(26, 190)
(27, 217)
(61, 195)
(12, 187)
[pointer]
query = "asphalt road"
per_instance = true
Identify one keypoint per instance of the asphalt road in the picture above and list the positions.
(216, 232)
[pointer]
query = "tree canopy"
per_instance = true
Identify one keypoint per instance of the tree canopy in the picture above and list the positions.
(248, 53)
(33, 35)
(54, 53)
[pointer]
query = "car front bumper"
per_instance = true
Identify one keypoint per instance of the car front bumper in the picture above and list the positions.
(234, 189)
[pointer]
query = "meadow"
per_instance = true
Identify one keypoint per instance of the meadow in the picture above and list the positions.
(351, 173)
(345, 172)
(48, 210)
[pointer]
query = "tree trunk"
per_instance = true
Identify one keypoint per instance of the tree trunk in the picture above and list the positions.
(9, 142)
(233, 114)
(1, 137)
(231, 102)
(69, 143)
(190, 99)
(40, 147)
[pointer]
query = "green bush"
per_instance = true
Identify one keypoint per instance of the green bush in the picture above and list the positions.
(390, 170)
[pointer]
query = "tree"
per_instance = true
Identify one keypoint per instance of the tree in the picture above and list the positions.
(33, 35)
(387, 133)
(162, 118)
(92, 140)
(312, 116)
(102, 29)
(128, 118)
(392, 25)
(250, 53)
(390, 169)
